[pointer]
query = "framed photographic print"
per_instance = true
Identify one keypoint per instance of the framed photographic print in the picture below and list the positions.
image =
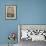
(10, 12)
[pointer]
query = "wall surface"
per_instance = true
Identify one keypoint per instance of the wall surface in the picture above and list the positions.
(33, 12)
(28, 12)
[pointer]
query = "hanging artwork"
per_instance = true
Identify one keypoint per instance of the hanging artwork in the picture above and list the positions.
(10, 11)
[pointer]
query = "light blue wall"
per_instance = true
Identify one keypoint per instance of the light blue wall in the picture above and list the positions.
(28, 12)
(33, 12)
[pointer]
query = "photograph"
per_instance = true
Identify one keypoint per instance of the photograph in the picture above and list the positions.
(10, 12)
